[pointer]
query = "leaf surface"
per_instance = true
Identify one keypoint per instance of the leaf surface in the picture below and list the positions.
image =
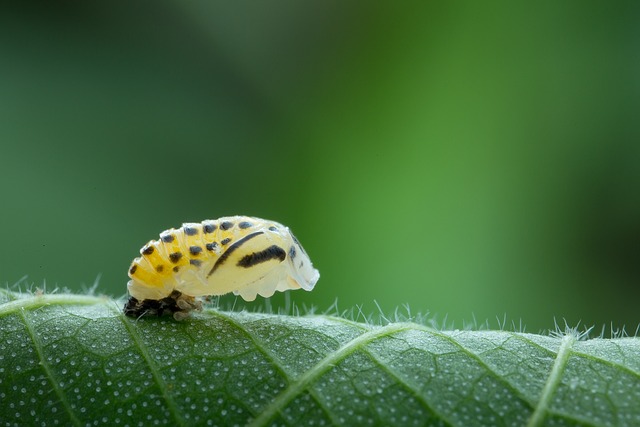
(77, 360)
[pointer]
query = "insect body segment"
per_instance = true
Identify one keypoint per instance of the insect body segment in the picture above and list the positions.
(244, 255)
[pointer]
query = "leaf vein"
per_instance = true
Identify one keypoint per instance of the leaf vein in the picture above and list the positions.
(537, 418)
(482, 363)
(271, 358)
(575, 352)
(320, 368)
(47, 369)
(153, 368)
(407, 385)
(43, 300)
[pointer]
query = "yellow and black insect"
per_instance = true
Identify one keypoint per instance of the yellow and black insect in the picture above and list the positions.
(244, 255)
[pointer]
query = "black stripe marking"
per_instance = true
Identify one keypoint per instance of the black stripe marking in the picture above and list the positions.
(231, 249)
(272, 252)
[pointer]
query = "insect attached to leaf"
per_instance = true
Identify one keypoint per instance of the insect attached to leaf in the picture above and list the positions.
(244, 255)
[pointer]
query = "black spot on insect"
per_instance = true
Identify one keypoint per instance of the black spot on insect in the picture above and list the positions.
(133, 269)
(292, 252)
(175, 257)
(190, 231)
(208, 228)
(160, 268)
(245, 224)
(148, 250)
(225, 241)
(195, 250)
(223, 258)
(301, 264)
(167, 238)
(195, 262)
(273, 228)
(226, 225)
(272, 252)
(176, 269)
(211, 246)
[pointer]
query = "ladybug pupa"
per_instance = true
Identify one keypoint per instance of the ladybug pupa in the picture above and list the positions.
(244, 255)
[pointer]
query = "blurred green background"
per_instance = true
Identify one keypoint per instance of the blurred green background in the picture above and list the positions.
(471, 159)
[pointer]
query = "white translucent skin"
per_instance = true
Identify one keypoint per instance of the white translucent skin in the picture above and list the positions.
(260, 279)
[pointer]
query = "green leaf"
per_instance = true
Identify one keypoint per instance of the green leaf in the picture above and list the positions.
(76, 360)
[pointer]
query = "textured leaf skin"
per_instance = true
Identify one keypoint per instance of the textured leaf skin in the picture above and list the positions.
(76, 360)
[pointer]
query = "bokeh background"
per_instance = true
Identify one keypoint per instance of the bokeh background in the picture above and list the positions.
(469, 159)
